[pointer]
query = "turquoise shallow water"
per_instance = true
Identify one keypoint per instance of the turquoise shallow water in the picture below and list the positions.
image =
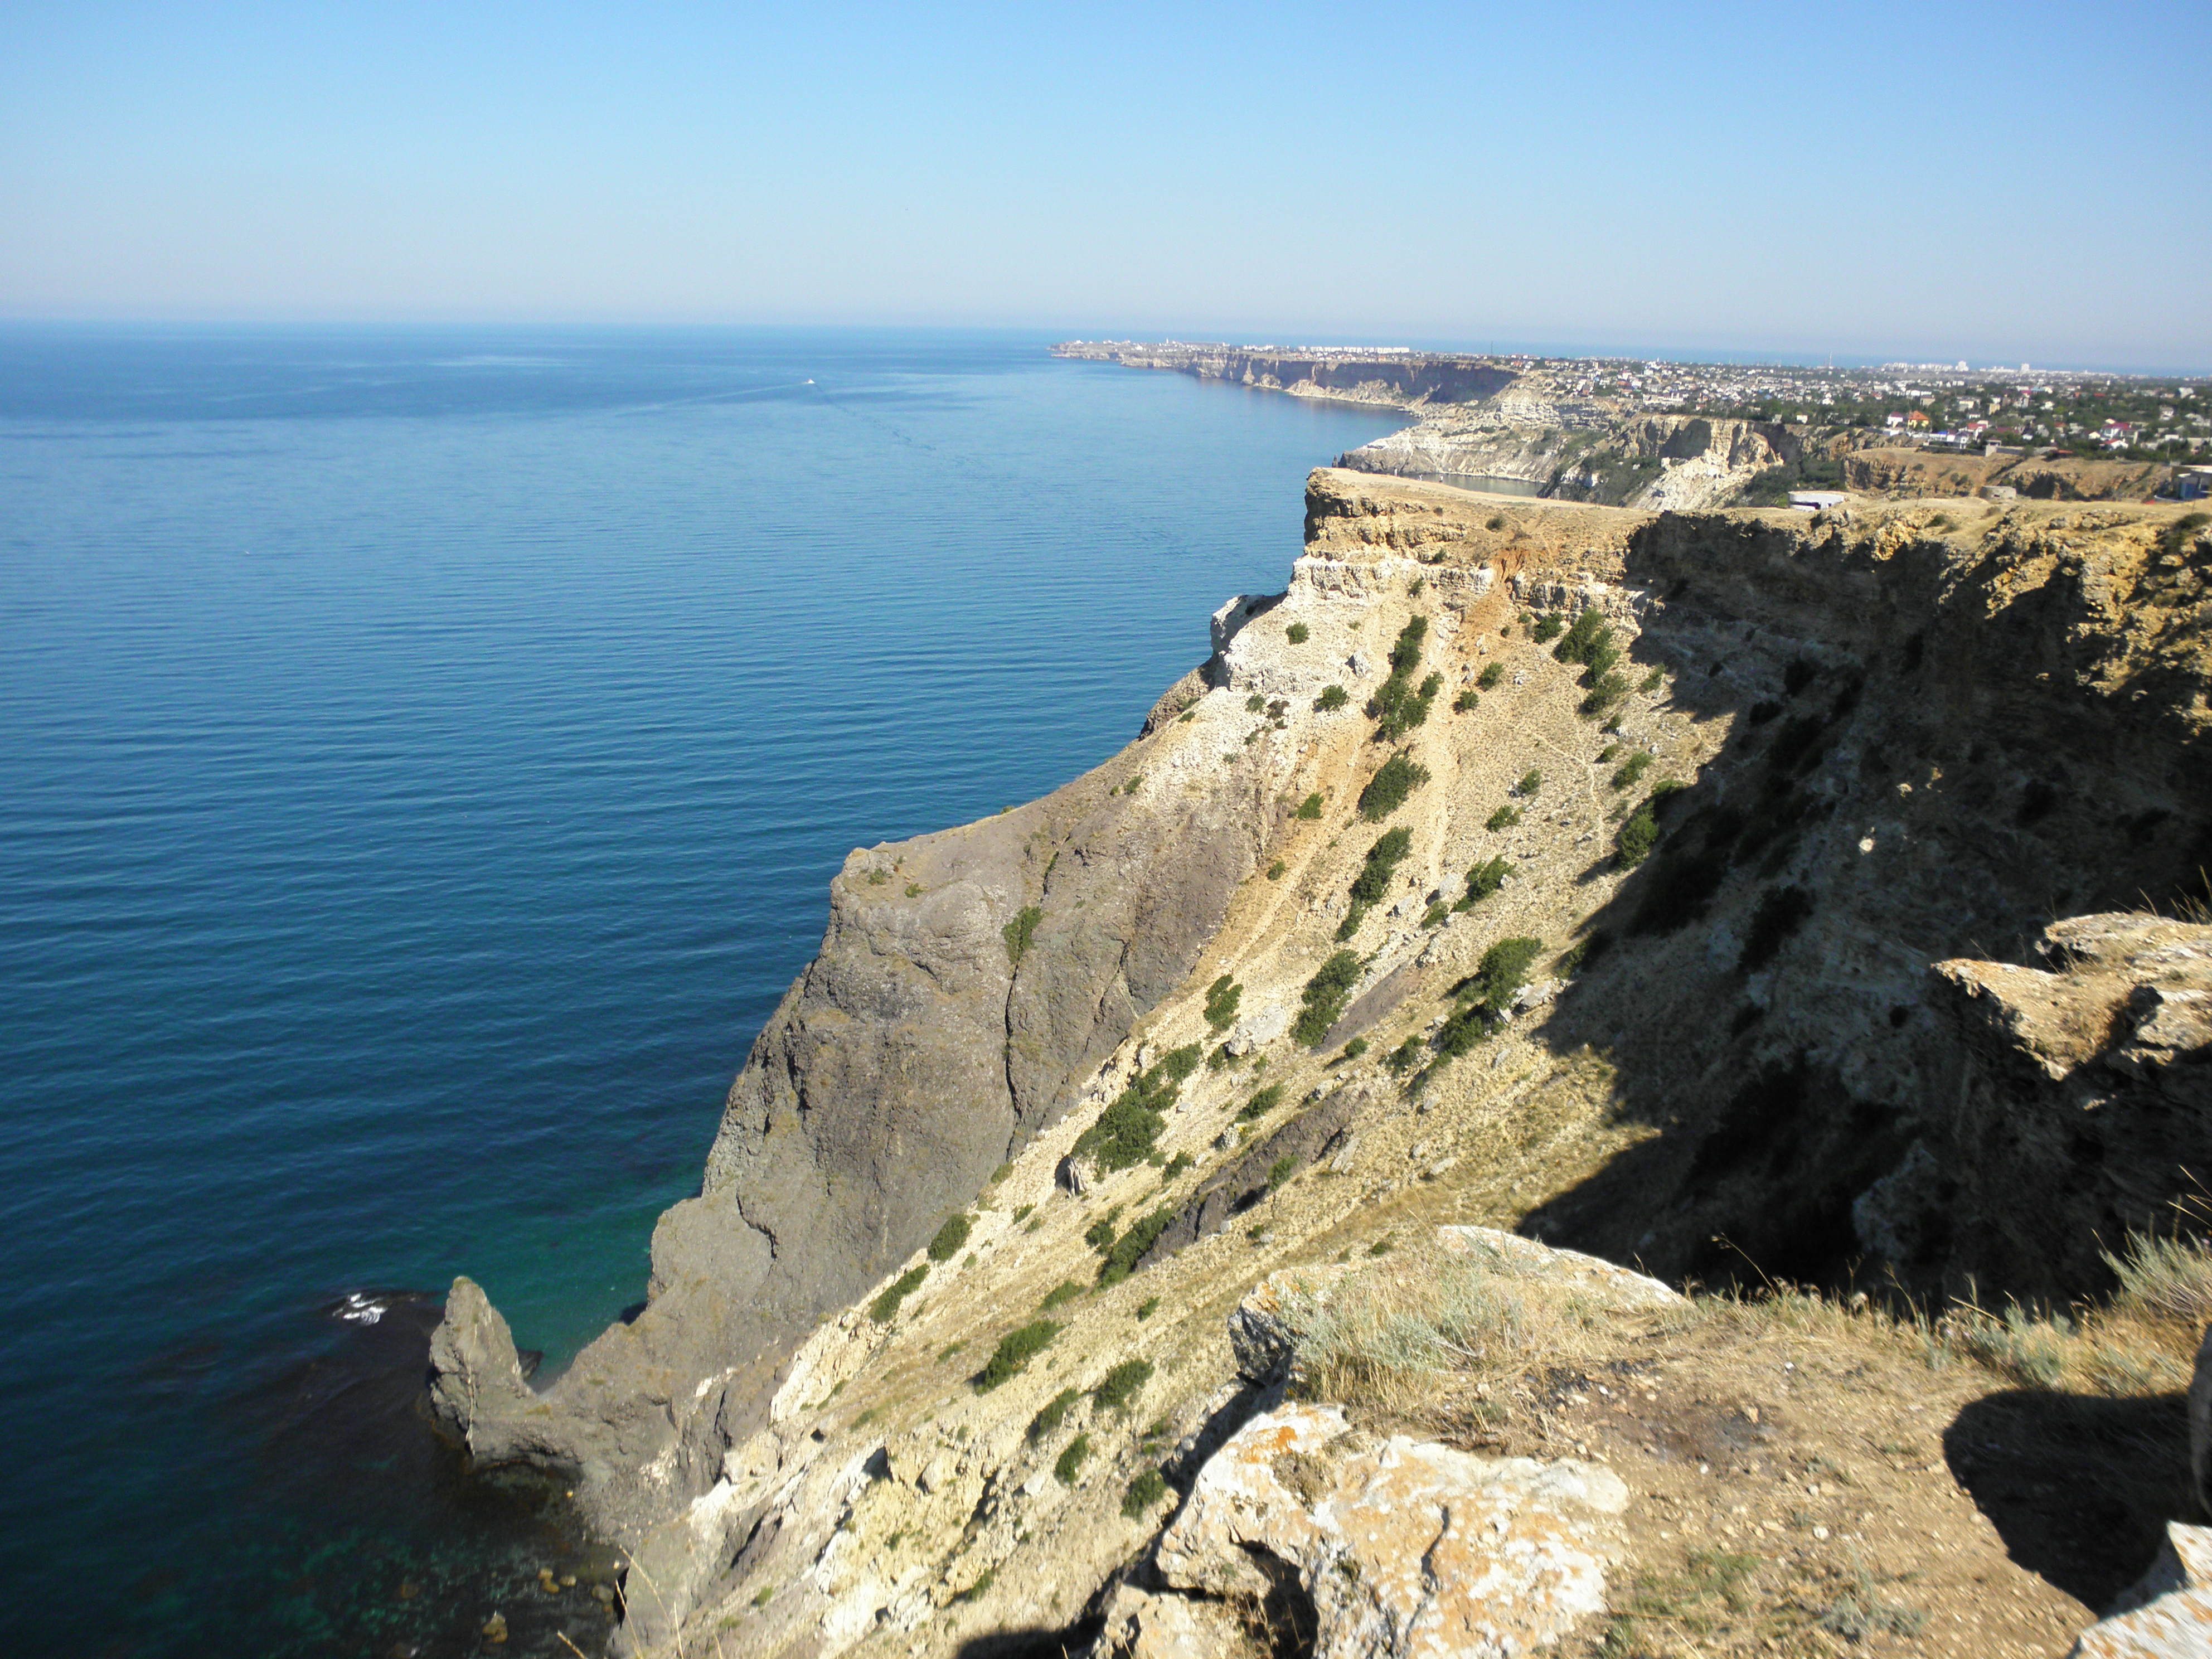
(422, 755)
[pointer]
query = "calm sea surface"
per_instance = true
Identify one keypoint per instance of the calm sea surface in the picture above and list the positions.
(422, 755)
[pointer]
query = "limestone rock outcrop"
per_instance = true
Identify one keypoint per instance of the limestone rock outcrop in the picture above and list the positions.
(2084, 1099)
(1403, 1547)
(2168, 1616)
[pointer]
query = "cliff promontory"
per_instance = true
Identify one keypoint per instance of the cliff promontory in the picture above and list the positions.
(1789, 908)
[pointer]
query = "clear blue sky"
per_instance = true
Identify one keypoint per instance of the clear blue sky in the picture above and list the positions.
(1917, 181)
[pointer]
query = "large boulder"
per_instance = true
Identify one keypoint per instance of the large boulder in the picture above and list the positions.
(1402, 1546)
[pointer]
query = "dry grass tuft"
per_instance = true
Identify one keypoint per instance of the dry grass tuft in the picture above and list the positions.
(1378, 1336)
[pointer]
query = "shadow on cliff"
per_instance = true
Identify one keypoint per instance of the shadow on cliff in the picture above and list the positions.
(1035, 1642)
(2078, 1488)
(1785, 1083)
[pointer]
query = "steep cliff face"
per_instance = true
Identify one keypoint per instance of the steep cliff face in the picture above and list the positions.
(1394, 379)
(1854, 746)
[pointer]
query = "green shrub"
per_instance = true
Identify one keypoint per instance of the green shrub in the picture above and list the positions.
(1001, 1173)
(1100, 1234)
(1633, 770)
(949, 1237)
(1221, 1000)
(1121, 1258)
(1487, 680)
(1176, 1166)
(1015, 1350)
(1503, 818)
(1145, 1490)
(1531, 781)
(1127, 1129)
(1496, 521)
(1121, 1385)
(1020, 932)
(1396, 707)
(1587, 631)
(1262, 1103)
(884, 1309)
(1782, 911)
(1637, 837)
(1653, 680)
(1465, 703)
(1280, 1171)
(1484, 880)
(1309, 808)
(1297, 633)
(1610, 689)
(1072, 1459)
(1503, 970)
(1386, 792)
(1436, 914)
(1413, 588)
(1022, 1214)
(1403, 1058)
(1372, 883)
(1353, 1049)
(1065, 1292)
(1322, 1001)
(1255, 703)
(1548, 628)
(1275, 870)
(1580, 955)
(1148, 1306)
(1048, 1421)
(1332, 697)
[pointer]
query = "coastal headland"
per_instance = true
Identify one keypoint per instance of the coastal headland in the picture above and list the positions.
(1791, 906)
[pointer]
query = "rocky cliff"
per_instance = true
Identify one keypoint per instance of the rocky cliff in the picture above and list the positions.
(1394, 379)
(1722, 946)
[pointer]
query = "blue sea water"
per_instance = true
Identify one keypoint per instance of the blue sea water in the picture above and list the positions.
(422, 755)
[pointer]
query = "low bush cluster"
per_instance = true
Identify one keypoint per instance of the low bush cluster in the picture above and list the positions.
(1484, 880)
(1372, 883)
(1332, 698)
(1309, 808)
(1072, 1460)
(1015, 1350)
(1262, 1103)
(1122, 1252)
(884, 1309)
(1048, 1421)
(1397, 707)
(1503, 818)
(1633, 770)
(1297, 633)
(1221, 1000)
(951, 1237)
(1130, 1126)
(1118, 1389)
(1020, 932)
(1144, 1492)
(1386, 792)
(1487, 680)
(1322, 1002)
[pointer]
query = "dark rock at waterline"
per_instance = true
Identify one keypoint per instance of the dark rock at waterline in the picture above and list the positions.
(479, 1391)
